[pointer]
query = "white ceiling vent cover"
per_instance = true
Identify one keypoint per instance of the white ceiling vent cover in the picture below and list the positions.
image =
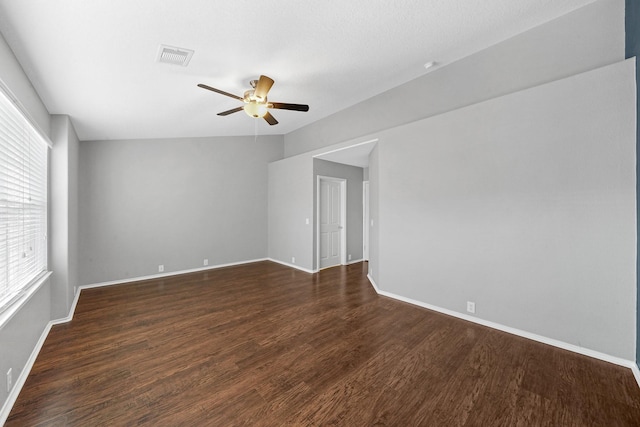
(174, 55)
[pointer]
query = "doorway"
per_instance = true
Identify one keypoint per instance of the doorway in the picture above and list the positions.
(332, 221)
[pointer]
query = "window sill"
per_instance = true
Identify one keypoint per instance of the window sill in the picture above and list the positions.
(7, 314)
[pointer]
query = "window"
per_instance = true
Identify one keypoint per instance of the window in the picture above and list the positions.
(23, 203)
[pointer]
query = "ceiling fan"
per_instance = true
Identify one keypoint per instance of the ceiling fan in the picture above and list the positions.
(255, 101)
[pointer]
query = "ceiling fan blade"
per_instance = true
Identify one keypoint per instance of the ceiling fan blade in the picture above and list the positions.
(235, 110)
(270, 119)
(285, 106)
(221, 92)
(263, 86)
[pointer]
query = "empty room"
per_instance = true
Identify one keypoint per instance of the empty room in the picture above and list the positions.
(356, 213)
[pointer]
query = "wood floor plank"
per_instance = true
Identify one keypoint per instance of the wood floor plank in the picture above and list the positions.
(266, 345)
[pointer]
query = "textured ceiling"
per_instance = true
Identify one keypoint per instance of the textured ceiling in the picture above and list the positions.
(96, 60)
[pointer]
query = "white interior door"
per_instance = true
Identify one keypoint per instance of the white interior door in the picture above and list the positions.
(330, 221)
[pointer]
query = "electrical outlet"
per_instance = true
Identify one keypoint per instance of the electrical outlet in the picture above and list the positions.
(160, 268)
(306, 221)
(205, 262)
(293, 260)
(471, 307)
(9, 380)
(349, 257)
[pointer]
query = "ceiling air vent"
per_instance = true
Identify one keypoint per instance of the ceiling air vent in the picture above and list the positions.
(174, 55)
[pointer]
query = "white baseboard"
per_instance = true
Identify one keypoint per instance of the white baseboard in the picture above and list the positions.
(355, 261)
(170, 273)
(636, 373)
(535, 337)
(15, 391)
(141, 278)
(22, 378)
(297, 267)
(373, 283)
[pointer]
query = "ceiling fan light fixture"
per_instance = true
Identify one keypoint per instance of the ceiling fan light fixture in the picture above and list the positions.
(255, 109)
(255, 101)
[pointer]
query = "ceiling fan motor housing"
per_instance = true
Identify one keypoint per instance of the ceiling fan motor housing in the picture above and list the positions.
(250, 96)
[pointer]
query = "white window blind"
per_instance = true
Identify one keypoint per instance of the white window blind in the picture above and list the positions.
(23, 203)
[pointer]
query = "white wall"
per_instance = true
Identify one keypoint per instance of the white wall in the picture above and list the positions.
(524, 204)
(173, 202)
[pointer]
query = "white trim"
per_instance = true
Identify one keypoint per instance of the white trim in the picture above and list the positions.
(22, 378)
(365, 220)
(343, 222)
(535, 337)
(373, 283)
(297, 267)
(69, 317)
(72, 310)
(636, 373)
(355, 261)
(167, 274)
(24, 374)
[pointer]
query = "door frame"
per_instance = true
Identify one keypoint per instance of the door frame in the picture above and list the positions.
(365, 220)
(343, 218)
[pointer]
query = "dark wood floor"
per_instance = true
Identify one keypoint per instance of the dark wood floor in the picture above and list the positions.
(266, 345)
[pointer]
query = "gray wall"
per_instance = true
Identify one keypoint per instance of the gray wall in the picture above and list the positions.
(517, 191)
(291, 203)
(632, 49)
(14, 79)
(354, 177)
(143, 203)
(19, 336)
(63, 214)
(524, 204)
(173, 202)
(582, 40)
